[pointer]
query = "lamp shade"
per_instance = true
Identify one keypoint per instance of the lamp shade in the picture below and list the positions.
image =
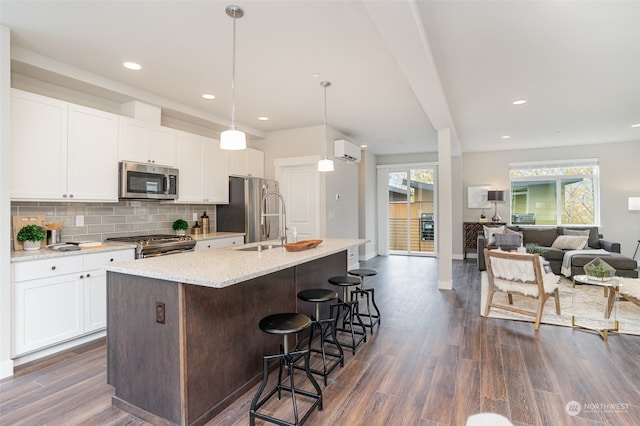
(325, 165)
(233, 140)
(634, 203)
(496, 195)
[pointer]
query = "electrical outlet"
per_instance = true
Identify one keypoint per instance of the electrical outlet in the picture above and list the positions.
(195, 216)
(79, 220)
(160, 313)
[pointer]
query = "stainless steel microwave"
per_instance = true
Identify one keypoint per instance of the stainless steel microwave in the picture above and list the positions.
(147, 181)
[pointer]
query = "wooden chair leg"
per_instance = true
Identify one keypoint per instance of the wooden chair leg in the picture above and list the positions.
(541, 301)
(556, 295)
(490, 292)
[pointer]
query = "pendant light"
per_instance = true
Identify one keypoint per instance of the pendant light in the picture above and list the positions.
(325, 165)
(233, 139)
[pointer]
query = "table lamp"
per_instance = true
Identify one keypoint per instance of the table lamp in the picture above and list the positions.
(496, 197)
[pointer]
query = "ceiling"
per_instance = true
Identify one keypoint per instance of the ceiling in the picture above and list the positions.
(399, 69)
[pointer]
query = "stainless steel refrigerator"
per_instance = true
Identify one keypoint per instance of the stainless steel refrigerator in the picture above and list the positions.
(244, 211)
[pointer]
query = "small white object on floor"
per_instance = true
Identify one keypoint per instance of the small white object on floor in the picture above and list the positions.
(488, 419)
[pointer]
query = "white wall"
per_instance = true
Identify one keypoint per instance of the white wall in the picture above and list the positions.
(6, 365)
(339, 218)
(619, 179)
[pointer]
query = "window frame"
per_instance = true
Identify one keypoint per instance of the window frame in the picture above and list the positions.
(559, 178)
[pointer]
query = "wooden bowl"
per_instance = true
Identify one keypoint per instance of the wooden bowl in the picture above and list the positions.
(302, 245)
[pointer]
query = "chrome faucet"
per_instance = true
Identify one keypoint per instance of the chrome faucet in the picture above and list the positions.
(283, 215)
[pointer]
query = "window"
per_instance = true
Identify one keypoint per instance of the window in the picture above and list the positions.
(555, 193)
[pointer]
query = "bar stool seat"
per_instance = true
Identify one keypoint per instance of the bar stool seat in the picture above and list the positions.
(285, 324)
(325, 327)
(351, 318)
(362, 291)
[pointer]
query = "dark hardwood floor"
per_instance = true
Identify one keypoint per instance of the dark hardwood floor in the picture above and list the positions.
(433, 361)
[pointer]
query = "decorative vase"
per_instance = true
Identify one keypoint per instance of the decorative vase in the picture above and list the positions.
(31, 245)
(599, 270)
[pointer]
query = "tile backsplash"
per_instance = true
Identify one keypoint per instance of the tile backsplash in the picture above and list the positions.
(105, 220)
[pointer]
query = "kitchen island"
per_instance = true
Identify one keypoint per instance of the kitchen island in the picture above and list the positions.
(182, 330)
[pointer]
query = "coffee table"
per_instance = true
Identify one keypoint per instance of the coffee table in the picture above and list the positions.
(611, 292)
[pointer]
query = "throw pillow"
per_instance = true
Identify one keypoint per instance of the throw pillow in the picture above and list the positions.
(570, 242)
(577, 232)
(543, 237)
(489, 232)
(512, 239)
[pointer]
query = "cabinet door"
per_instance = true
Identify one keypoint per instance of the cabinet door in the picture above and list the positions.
(163, 146)
(255, 163)
(246, 162)
(190, 164)
(38, 147)
(134, 141)
(95, 299)
(92, 173)
(95, 286)
(215, 173)
(147, 143)
(47, 311)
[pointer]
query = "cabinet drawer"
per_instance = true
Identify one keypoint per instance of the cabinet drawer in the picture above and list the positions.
(98, 260)
(44, 268)
(219, 243)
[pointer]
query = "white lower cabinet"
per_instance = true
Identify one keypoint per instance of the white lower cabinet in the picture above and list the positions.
(219, 243)
(60, 298)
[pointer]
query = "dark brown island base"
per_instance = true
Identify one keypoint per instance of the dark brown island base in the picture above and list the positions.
(181, 346)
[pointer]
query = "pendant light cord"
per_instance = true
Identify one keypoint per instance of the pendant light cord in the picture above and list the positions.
(233, 77)
(325, 84)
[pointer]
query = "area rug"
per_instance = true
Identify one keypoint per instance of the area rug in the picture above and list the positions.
(586, 302)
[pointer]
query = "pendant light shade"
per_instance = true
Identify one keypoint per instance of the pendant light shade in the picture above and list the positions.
(233, 139)
(325, 165)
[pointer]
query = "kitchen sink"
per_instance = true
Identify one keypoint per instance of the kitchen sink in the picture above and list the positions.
(264, 247)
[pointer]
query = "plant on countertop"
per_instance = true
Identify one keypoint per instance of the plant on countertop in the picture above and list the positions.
(533, 248)
(31, 233)
(180, 225)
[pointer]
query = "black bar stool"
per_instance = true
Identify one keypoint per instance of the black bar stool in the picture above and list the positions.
(325, 327)
(362, 273)
(285, 324)
(350, 310)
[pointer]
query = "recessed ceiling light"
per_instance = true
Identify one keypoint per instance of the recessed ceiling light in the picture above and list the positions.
(208, 96)
(519, 102)
(132, 66)
(263, 118)
(364, 146)
(505, 137)
(315, 75)
(635, 125)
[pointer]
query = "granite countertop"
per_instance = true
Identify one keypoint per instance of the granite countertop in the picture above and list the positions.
(47, 253)
(223, 267)
(216, 235)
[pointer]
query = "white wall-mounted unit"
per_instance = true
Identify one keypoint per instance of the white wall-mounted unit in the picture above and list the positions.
(345, 150)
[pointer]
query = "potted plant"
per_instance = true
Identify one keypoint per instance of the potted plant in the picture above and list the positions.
(533, 248)
(31, 235)
(180, 226)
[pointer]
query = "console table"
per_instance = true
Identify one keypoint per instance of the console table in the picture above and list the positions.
(470, 232)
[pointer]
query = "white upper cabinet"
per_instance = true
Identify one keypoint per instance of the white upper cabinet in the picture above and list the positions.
(144, 142)
(203, 170)
(246, 162)
(62, 151)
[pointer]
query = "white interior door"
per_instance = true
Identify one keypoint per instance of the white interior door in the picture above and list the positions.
(299, 186)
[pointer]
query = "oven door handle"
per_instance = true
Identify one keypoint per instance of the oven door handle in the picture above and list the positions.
(162, 253)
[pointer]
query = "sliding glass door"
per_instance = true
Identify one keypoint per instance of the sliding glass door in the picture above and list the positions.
(411, 211)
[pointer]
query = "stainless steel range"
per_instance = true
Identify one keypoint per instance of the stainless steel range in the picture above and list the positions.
(158, 245)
